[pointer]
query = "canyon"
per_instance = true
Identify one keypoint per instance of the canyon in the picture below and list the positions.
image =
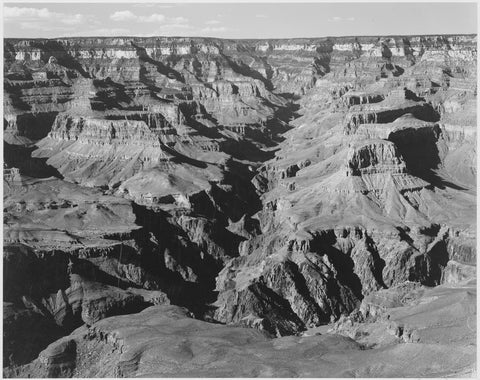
(207, 207)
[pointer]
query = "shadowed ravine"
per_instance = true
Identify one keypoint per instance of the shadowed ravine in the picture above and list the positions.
(206, 207)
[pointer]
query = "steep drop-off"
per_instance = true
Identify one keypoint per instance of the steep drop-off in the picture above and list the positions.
(268, 184)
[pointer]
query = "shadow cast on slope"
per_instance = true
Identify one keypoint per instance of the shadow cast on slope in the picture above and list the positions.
(169, 254)
(32, 125)
(242, 69)
(160, 66)
(107, 99)
(21, 157)
(51, 48)
(323, 245)
(180, 158)
(419, 149)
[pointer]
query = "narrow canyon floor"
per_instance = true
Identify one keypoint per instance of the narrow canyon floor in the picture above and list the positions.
(199, 207)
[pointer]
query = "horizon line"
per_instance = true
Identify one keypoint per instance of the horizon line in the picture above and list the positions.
(247, 38)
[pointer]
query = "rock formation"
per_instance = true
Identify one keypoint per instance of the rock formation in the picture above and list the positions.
(378, 340)
(274, 186)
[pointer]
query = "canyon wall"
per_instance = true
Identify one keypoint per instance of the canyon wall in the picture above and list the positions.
(270, 184)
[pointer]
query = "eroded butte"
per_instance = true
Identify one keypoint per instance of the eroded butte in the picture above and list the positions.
(206, 207)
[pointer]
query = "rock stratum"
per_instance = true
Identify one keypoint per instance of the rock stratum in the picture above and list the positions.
(206, 207)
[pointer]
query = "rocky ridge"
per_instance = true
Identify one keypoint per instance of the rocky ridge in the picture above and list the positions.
(272, 184)
(124, 346)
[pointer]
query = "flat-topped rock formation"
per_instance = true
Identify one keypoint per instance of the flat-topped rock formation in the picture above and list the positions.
(257, 191)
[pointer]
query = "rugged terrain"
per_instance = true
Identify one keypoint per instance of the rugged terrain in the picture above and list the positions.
(176, 205)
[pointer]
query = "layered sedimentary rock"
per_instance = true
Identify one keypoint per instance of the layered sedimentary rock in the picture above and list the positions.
(391, 333)
(272, 184)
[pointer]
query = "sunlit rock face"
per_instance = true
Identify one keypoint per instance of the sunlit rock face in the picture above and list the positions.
(274, 186)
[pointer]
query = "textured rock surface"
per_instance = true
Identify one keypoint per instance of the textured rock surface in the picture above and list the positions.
(272, 184)
(162, 341)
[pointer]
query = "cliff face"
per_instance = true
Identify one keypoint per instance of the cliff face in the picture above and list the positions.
(271, 184)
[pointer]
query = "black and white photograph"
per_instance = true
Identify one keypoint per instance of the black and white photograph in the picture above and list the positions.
(239, 189)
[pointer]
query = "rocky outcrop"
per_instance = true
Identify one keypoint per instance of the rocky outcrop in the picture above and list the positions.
(125, 346)
(388, 160)
(280, 185)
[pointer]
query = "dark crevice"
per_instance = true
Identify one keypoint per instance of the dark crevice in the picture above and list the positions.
(378, 262)
(174, 244)
(437, 258)
(323, 245)
(279, 318)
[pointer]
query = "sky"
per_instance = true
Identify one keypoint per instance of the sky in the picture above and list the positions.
(236, 20)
